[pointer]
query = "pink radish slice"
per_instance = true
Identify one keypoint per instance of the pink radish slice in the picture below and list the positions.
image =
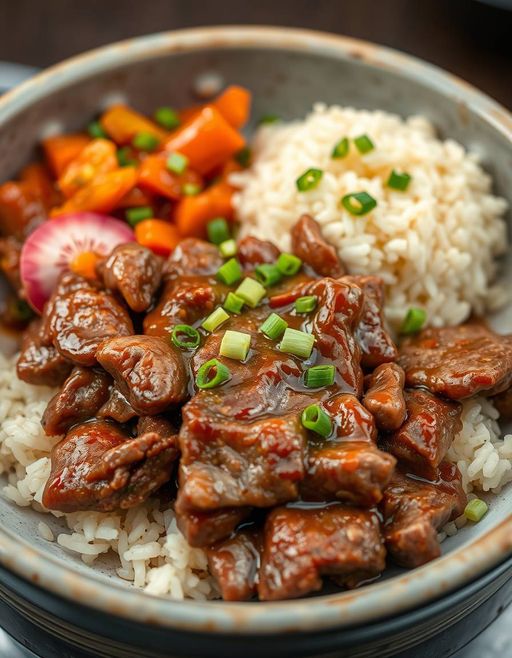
(50, 249)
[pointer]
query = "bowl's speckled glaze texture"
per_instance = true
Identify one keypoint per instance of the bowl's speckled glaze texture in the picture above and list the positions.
(287, 70)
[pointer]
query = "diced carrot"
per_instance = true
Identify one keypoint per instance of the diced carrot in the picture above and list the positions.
(158, 235)
(135, 198)
(189, 112)
(20, 210)
(61, 149)
(122, 124)
(192, 213)
(98, 157)
(38, 181)
(235, 105)
(207, 140)
(102, 194)
(85, 264)
(154, 176)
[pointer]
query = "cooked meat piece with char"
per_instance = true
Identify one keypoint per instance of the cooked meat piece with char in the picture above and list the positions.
(99, 467)
(414, 510)
(193, 257)
(81, 396)
(10, 251)
(384, 396)
(458, 362)
(235, 562)
(311, 247)
(252, 251)
(21, 210)
(117, 407)
(39, 362)
(148, 371)
(202, 529)
(67, 284)
(158, 424)
(422, 442)
(302, 545)
(351, 421)
(503, 403)
(133, 271)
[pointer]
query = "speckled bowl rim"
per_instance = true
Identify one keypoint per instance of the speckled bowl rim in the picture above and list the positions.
(339, 610)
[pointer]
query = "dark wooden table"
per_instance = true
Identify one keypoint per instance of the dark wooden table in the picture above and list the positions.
(462, 36)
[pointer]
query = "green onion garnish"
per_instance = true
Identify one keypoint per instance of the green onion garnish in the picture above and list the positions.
(136, 215)
(274, 326)
(177, 162)
(309, 179)
(233, 303)
(306, 304)
(268, 274)
(230, 272)
(218, 230)
(145, 142)
(167, 117)
(212, 374)
(251, 291)
(413, 321)
(95, 130)
(235, 345)
(185, 337)
(243, 157)
(364, 144)
(298, 343)
(475, 510)
(228, 248)
(358, 203)
(319, 376)
(288, 264)
(269, 118)
(190, 189)
(340, 149)
(399, 181)
(314, 418)
(124, 158)
(215, 319)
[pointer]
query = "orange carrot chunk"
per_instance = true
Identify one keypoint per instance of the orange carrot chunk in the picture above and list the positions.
(98, 157)
(193, 213)
(122, 124)
(62, 149)
(155, 176)
(158, 235)
(235, 105)
(38, 181)
(135, 198)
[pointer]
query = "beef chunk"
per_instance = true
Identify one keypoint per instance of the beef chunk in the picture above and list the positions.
(148, 371)
(503, 403)
(117, 407)
(80, 398)
(205, 528)
(252, 251)
(376, 344)
(414, 510)
(39, 363)
(21, 210)
(193, 257)
(384, 397)
(67, 283)
(158, 424)
(133, 271)
(458, 362)
(234, 563)
(301, 545)
(423, 440)
(311, 247)
(98, 467)
(10, 251)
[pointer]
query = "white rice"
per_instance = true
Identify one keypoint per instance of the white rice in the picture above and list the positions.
(434, 245)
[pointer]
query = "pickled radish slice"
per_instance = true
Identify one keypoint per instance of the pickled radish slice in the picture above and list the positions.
(55, 244)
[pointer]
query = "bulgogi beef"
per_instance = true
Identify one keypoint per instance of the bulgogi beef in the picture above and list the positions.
(311, 247)
(384, 396)
(252, 251)
(39, 363)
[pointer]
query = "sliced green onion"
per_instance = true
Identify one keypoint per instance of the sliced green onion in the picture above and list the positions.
(306, 304)
(145, 142)
(319, 376)
(414, 321)
(274, 326)
(177, 162)
(230, 272)
(298, 343)
(364, 144)
(358, 203)
(340, 149)
(185, 337)
(309, 179)
(190, 189)
(95, 130)
(268, 274)
(235, 345)
(399, 180)
(269, 118)
(243, 157)
(475, 510)
(218, 230)
(288, 264)
(251, 291)
(211, 374)
(124, 157)
(233, 303)
(136, 215)
(314, 418)
(228, 248)
(215, 319)
(167, 117)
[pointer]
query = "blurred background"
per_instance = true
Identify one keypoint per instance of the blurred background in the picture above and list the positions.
(471, 38)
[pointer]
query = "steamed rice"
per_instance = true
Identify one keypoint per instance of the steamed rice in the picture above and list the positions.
(434, 245)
